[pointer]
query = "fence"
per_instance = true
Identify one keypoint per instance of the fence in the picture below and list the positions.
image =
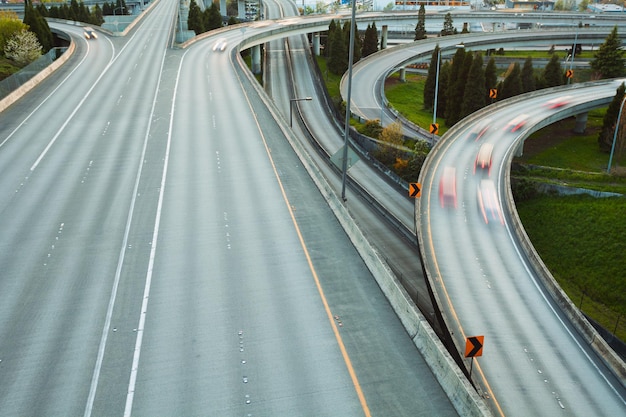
(15, 81)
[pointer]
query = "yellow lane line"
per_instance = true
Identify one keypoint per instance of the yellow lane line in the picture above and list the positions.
(451, 307)
(342, 347)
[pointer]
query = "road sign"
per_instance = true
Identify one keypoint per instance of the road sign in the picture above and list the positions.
(493, 92)
(434, 128)
(415, 189)
(569, 73)
(474, 346)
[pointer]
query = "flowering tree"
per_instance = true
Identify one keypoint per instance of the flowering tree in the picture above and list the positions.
(23, 47)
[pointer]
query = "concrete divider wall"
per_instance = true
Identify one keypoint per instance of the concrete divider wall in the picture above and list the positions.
(40, 76)
(464, 398)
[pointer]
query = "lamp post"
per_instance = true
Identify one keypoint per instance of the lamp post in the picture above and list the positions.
(436, 89)
(291, 101)
(619, 116)
(120, 8)
(571, 62)
(346, 130)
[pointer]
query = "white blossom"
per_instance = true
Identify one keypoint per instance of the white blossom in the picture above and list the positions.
(23, 47)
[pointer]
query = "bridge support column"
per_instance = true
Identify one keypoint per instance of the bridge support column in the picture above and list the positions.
(383, 37)
(316, 43)
(403, 74)
(241, 9)
(520, 149)
(581, 122)
(256, 59)
(223, 8)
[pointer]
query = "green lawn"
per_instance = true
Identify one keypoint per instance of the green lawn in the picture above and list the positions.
(581, 240)
(408, 99)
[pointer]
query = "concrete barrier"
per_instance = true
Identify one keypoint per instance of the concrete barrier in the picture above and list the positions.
(582, 325)
(461, 393)
(41, 75)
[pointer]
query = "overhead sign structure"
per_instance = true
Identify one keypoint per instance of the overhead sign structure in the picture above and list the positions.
(415, 189)
(493, 93)
(474, 346)
(434, 128)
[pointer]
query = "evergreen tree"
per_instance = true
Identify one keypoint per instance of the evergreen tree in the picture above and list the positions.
(605, 137)
(609, 60)
(327, 41)
(195, 21)
(370, 42)
(38, 25)
(512, 84)
(456, 86)
(528, 76)
(357, 41)
(97, 16)
(474, 95)
(431, 79)
(338, 60)
(444, 82)
(120, 7)
(448, 26)
(491, 76)
(41, 8)
(553, 73)
(420, 27)
(212, 17)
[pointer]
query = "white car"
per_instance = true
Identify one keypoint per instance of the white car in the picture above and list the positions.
(219, 45)
(488, 202)
(90, 33)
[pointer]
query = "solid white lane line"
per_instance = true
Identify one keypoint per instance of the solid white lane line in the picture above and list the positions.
(118, 272)
(155, 235)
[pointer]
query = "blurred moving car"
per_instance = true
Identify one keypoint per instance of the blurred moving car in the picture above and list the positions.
(488, 202)
(555, 103)
(483, 158)
(517, 123)
(447, 188)
(219, 45)
(481, 128)
(90, 33)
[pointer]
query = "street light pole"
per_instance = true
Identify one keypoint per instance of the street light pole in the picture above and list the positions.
(571, 62)
(619, 116)
(291, 101)
(436, 85)
(348, 99)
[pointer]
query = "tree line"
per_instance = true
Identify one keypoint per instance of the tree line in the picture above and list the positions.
(465, 82)
(336, 45)
(79, 12)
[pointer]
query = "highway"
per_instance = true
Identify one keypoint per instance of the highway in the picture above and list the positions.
(165, 253)
(535, 361)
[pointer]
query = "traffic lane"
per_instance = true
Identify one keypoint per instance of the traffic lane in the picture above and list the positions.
(463, 158)
(259, 277)
(392, 374)
(30, 124)
(398, 253)
(519, 340)
(73, 204)
(55, 269)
